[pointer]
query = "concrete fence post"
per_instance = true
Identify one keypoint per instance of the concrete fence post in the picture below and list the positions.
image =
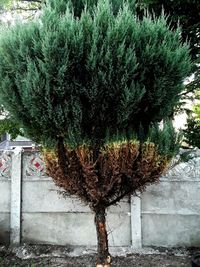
(136, 232)
(15, 211)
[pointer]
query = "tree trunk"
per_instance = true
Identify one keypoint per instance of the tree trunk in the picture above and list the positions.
(103, 258)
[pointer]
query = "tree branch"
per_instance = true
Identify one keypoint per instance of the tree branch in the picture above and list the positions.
(117, 199)
(25, 9)
(32, 1)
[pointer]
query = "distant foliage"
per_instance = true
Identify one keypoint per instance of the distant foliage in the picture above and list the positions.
(192, 132)
(9, 126)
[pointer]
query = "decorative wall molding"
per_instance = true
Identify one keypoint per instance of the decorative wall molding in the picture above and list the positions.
(5, 164)
(34, 166)
(186, 166)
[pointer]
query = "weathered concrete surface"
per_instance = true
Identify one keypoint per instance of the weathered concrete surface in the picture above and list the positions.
(172, 198)
(4, 195)
(170, 211)
(4, 228)
(15, 207)
(73, 229)
(190, 169)
(170, 230)
(43, 196)
(136, 224)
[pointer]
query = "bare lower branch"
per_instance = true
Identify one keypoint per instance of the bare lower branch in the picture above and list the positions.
(117, 199)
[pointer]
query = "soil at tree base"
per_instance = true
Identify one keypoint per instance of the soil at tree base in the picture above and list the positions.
(45, 255)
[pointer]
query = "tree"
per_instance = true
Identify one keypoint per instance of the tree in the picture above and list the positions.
(20, 5)
(192, 132)
(91, 88)
(7, 124)
(186, 13)
(183, 12)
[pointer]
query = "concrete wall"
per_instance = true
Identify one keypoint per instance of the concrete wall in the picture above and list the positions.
(171, 210)
(5, 194)
(167, 214)
(49, 218)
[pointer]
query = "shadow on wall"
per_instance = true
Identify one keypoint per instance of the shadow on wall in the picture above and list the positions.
(4, 235)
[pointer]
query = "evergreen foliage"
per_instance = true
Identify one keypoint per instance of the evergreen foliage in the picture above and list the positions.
(167, 140)
(90, 84)
(9, 126)
(192, 132)
(186, 13)
(80, 78)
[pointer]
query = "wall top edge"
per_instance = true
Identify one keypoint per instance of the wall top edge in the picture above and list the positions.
(170, 213)
(180, 180)
(195, 151)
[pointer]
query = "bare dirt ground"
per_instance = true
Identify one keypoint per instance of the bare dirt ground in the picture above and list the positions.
(58, 256)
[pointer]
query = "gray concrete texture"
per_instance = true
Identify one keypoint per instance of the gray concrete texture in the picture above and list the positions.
(4, 211)
(170, 211)
(5, 195)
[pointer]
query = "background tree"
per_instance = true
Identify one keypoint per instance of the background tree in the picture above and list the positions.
(20, 5)
(7, 124)
(192, 132)
(91, 88)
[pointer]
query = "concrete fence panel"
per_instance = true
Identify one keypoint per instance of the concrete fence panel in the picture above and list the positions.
(32, 209)
(47, 217)
(171, 210)
(5, 194)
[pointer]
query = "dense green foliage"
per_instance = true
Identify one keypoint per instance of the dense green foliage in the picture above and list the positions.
(187, 14)
(9, 126)
(84, 78)
(90, 83)
(192, 132)
(184, 12)
(168, 141)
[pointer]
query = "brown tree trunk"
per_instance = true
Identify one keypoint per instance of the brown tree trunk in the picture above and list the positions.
(103, 257)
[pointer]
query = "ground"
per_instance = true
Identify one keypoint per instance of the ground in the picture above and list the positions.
(58, 256)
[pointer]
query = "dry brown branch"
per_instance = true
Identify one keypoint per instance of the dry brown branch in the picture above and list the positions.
(120, 170)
